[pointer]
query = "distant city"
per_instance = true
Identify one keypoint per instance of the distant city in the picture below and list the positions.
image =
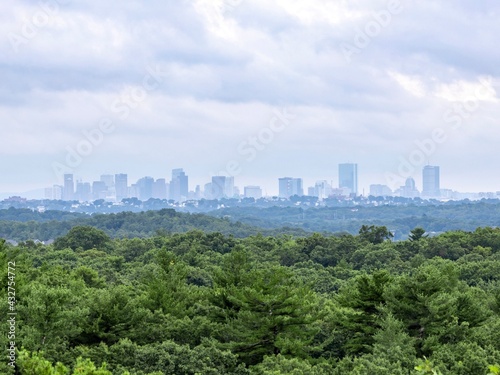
(115, 188)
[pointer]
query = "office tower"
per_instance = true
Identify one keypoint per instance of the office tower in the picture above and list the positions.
(348, 177)
(145, 186)
(133, 191)
(430, 178)
(322, 189)
(69, 188)
(289, 186)
(160, 189)
(222, 187)
(229, 189)
(99, 190)
(109, 180)
(83, 191)
(197, 193)
(179, 188)
(121, 186)
(208, 191)
(58, 192)
(253, 192)
(378, 190)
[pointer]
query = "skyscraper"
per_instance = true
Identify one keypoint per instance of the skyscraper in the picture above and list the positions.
(160, 189)
(69, 188)
(222, 187)
(109, 180)
(348, 177)
(121, 186)
(99, 190)
(83, 191)
(179, 188)
(145, 186)
(430, 178)
(289, 186)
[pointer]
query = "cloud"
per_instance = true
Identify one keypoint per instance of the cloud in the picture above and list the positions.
(227, 64)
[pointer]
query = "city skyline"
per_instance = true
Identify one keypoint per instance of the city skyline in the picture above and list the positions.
(222, 86)
(116, 187)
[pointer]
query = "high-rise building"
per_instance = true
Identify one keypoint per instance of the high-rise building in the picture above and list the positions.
(145, 186)
(160, 189)
(83, 191)
(121, 186)
(253, 192)
(229, 189)
(109, 180)
(133, 191)
(58, 192)
(208, 191)
(69, 188)
(179, 187)
(99, 190)
(348, 177)
(322, 189)
(222, 187)
(430, 178)
(289, 186)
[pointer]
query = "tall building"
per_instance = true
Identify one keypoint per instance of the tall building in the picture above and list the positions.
(179, 188)
(322, 189)
(109, 180)
(99, 190)
(160, 189)
(58, 192)
(229, 189)
(430, 178)
(348, 177)
(69, 188)
(222, 187)
(145, 186)
(121, 186)
(253, 192)
(207, 192)
(83, 192)
(289, 186)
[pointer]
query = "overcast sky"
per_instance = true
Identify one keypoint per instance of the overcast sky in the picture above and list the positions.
(259, 89)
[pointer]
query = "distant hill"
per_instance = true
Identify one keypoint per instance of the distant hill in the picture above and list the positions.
(24, 224)
(463, 215)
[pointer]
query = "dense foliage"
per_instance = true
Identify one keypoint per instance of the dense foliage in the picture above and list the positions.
(206, 303)
(399, 219)
(32, 225)
(242, 220)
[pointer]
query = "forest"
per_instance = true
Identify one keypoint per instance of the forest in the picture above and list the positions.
(211, 303)
(21, 224)
(26, 224)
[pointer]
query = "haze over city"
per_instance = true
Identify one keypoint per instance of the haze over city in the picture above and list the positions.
(252, 89)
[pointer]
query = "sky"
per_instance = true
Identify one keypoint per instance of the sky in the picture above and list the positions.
(256, 89)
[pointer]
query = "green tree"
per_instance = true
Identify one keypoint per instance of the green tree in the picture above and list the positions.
(275, 315)
(364, 298)
(417, 234)
(84, 238)
(374, 234)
